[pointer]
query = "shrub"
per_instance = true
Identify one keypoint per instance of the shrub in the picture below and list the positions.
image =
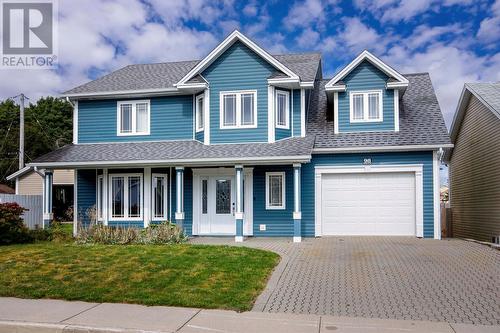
(40, 235)
(58, 233)
(164, 233)
(12, 228)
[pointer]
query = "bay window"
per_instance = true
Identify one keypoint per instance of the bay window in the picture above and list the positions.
(282, 109)
(238, 109)
(133, 117)
(365, 106)
(100, 199)
(159, 197)
(200, 112)
(126, 196)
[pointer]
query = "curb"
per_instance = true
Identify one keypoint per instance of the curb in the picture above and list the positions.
(25, 327)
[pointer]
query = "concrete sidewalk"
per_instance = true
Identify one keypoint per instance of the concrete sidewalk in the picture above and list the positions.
(44, 316)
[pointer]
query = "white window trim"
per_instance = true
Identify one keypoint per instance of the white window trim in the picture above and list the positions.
(283, 194)
(238, 94)
(134, 117)
(198, 128)
(287, 110)
(125, 197)
(165, 199)
(365, 94)
(100, 192)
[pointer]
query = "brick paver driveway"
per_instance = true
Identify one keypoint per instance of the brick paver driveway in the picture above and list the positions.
(382, 277)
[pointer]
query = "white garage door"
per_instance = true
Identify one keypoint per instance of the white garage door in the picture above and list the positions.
(368, 204)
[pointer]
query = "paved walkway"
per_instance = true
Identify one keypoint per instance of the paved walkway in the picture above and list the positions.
(52, 316)
(404, 278)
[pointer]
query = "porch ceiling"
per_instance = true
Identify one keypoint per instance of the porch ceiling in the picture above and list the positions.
(186, 152)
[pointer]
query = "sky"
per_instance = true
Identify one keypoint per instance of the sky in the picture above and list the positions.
(455, 41)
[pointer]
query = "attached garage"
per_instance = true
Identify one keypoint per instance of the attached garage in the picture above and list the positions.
(369, 201)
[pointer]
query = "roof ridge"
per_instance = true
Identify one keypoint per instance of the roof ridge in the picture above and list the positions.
(416, 73)
(163, 62)
(193, 60)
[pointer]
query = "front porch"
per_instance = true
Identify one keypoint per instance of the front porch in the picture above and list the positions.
(236, 201)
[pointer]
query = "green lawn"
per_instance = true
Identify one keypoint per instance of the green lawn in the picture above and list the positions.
(179, 275)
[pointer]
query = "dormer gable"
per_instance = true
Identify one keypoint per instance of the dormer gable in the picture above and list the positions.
(395, 79)
(285, 74)
(366, 96)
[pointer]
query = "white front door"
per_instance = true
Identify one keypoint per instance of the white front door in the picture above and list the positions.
(217, 205)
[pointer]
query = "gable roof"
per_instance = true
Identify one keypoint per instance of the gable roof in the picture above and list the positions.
(161, 77)
(398, 80)
(19, 173)
(224, 45)
(421, 122)
(487, 93)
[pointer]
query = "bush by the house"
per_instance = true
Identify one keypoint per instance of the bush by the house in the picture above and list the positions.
(58, 233)
(163, 233)
(12, 228)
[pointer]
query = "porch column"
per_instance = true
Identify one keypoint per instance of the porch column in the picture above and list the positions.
(179, 187)
(297, 214)
(47, 198)
(238, 215)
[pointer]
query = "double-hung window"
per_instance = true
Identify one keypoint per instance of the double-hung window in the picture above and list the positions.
(275, 190)
(159, 197)
(100, 198)
(200, 113)
(133, 117)
(238, 109)
(282, 109)
(365, 106)
(126, 199)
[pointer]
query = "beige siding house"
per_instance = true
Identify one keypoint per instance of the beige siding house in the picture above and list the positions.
(31, 182)
(474, 163)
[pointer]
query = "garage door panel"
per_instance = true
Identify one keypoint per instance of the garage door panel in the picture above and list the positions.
(368, 204)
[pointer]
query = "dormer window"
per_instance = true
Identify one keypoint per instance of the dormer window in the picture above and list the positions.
(365, 106)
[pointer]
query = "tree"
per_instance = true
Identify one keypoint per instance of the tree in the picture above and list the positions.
(48, 126)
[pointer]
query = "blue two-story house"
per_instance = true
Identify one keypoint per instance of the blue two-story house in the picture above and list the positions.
(245, 143)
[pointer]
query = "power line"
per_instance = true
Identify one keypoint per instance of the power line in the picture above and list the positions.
(5, 138)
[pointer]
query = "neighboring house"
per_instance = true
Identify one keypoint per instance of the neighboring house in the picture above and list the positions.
(6, 189)
(243, 143)
(29, 182)
(474, 163)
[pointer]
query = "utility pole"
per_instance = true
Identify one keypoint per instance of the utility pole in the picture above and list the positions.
(21, 132)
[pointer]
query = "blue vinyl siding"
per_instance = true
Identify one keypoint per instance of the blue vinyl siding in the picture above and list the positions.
(279, 222)
(296, 112)
(171, 119)
(86, 194)
(239, 68)
(366, 77)
(308, 186)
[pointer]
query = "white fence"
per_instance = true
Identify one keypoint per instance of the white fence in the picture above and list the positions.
(32, 217)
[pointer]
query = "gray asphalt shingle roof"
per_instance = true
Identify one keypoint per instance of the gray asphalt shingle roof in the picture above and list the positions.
(177, 150)
(421, 121)
(489, 93)
(165, 75)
